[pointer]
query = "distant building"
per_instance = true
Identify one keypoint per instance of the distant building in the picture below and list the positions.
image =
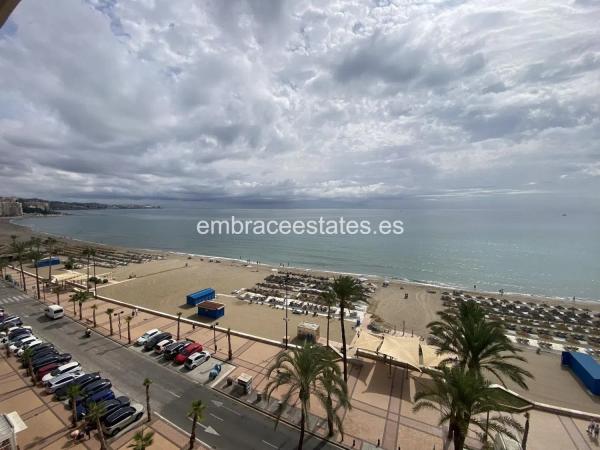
(36, 206)
(10, 207)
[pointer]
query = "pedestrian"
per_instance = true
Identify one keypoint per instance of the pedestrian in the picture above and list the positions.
(378, 442)
(590, 427)
(596, 430)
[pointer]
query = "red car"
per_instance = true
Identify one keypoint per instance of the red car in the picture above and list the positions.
(192, 347)
(46, 369)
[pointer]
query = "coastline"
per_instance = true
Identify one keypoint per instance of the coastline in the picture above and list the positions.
(434, 285)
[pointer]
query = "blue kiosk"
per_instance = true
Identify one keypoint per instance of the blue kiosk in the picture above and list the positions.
(200, 296)
(585, 367)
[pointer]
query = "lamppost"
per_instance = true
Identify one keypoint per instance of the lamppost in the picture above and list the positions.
(118, 314)
(214, 327)
(285, 300)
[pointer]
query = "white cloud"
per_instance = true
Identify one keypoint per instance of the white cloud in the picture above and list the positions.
(324, 100)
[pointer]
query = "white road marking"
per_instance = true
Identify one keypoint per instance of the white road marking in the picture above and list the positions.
(207, 428)
(173, 393)
(182, 430)
(216, 417)
(219, 404)
(269, 444)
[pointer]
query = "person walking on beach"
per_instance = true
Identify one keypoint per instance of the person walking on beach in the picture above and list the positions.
(596, 430)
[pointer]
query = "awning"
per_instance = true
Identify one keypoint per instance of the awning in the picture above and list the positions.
(68, 276)
(369, 342)
(402, 349)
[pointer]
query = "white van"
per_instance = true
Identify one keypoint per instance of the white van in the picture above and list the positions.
(55, 311)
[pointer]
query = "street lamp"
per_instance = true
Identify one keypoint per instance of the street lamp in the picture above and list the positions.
(118, 314)
(215, 334)
(285, 300)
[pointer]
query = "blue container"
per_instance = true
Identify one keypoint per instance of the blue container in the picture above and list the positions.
(211, 310)
(200, 296)
(585, 367)
(48, 262)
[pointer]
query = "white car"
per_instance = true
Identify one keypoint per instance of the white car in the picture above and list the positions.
(160, 347)
(30, 344)
(118, 420)
(21, 342)
(147, 335)
(72, 366)
(60, 380)
(195, 359)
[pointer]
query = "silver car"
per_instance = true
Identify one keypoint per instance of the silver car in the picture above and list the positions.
(61, 380)
(120, 419)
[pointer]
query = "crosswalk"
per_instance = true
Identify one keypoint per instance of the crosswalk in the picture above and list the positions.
(14, 299)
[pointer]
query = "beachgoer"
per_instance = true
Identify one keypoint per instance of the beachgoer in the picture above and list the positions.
(596, 430)
(590, 427)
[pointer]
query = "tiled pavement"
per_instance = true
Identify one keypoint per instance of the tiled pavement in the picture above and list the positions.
(382, 399)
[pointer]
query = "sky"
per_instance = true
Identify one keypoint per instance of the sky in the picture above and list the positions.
(291, 101)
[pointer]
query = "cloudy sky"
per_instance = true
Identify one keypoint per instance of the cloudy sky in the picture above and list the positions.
(266, 99)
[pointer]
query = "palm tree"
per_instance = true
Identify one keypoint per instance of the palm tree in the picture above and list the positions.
(109, 313)
(147, 383)
(20, 248)
(334, 398)
(73, 393)
(92, 253)
(94, 412)
(94, 308)
(74, 299)
(141, 440)
(26, 358)
(479, 343)
(178, 323)
(86, 254)
(57, 290)
(128, 321)
(50, 244)
(229, 352)
(303, 371)
(463, 396)
(80, 297)
(197, 415)
(329, 299)
(347, 291)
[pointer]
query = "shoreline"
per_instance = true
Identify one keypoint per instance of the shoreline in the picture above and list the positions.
(392, 279)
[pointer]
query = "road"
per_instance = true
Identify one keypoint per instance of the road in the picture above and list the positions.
(228, 424)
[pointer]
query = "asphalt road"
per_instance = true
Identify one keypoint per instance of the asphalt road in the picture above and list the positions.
(228, 424)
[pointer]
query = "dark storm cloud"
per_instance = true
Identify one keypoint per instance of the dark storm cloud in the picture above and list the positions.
(269, 101)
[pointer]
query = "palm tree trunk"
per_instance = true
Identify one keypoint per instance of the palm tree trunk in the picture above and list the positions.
(110, 322)
(23, 275)
(459, 439)
(129, 332)
(229, 352)
(50, 268)
(148, 403)
(101, 435)
(178, 323)
(330, 429)
(302, 420)
(344, 356)
(37, 280)
(58, 295)
(80, 311)
(193, 433)
(74, 412)
(94, 317)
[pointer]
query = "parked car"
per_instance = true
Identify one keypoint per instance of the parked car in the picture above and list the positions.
(31, 345)
(59, 359)
(160, 347)
(192, 347)
(121, 418)
(68, 367)
(41, 349)
(82, 381)
(96, 386)
(41, 353)
(61, 380)
(9, 338)
(195, 359)
(46, 369)
(172, 350)
(114, 404)
(95, 397)
(147, 335)
(12, 322)
(15, 346)
(151, 343)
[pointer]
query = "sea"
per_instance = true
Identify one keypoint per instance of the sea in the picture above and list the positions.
(529, 252)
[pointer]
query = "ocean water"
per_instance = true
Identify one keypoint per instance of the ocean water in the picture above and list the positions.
(531, 252)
